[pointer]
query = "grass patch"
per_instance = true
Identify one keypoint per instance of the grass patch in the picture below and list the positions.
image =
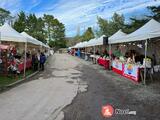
(6, 80)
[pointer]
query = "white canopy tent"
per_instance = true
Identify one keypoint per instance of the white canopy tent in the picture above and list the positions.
(83, 44)
(77, 45)
(7, 33)
(99, 41)
(91, 42)
(148, 31)
(33, 40)
(145, 32)
(116, 37)
(30, 38)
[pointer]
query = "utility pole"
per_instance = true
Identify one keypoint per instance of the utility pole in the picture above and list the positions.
(78, 30)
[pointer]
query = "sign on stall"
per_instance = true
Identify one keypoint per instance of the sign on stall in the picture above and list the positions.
(117, 67)
(131, 71)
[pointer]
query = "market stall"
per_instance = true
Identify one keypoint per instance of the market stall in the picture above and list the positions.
(24, 47)
(141, 38)
(3, 59)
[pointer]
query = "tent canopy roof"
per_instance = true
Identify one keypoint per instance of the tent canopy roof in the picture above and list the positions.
(31, 39)
(91, 42)
(150, 30)
(7, 33)
(115, 37)
(99, 41)
(145, 32)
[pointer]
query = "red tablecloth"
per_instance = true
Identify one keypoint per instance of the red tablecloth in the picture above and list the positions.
(103, 62)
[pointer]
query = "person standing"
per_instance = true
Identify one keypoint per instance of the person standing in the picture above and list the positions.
(33, 62)
(36, 63)
(38, 56)
(42, 61)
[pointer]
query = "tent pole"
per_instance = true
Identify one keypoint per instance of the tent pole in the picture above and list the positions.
(85, 53)
(145, 68)
(94, 50)
(0, 37)
(94, 59)
(110, 48)
(25, 59)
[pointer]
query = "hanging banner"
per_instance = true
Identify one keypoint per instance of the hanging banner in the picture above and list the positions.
(131, 71)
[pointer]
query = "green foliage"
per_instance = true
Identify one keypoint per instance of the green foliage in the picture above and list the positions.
(155, 10)
(52, 43)
(48, 21)
(134, 25)
(104, 27)
(4, 15)
(43, 29)
(20, 23)
(55, 31)
(110, 27)
(137, 23)
(116, 23)
(88, 34)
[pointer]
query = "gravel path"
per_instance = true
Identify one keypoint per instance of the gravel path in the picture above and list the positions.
(106, 87)
(73, 89)
(44, 97)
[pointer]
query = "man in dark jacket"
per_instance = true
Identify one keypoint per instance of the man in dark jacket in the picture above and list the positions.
(42, 61)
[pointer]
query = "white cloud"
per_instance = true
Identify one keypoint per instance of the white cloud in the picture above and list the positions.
(12, 4)
(81, 12)
(74, 12)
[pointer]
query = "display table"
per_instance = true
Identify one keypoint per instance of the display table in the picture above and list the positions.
(103, 62)
(130, 71)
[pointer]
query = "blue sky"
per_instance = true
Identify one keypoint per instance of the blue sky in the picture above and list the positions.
(83, 13)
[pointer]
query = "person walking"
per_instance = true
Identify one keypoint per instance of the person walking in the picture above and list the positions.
(42, 61)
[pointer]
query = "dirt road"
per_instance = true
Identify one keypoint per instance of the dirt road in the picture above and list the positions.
(73, 89)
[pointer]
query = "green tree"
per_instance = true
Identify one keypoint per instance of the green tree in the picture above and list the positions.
(108, 28)
(103, 25)
(31, 24)
(55, 31)
(116, 23)
(155, 11)
(48, 21)
(4, 15)
(39, 32)
(43, 29)
(134, 24)
(20, 23)
(88, 34)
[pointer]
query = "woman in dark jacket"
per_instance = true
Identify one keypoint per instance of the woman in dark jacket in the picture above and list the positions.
(42, 61)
